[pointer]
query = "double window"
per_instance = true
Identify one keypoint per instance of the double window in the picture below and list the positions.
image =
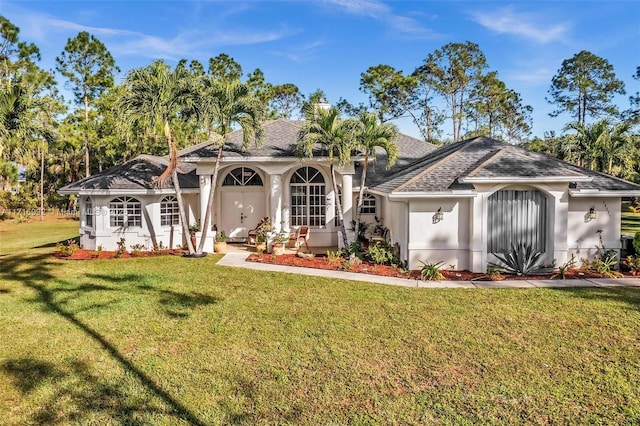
(308, 199)
(125, 212)
(169, 212)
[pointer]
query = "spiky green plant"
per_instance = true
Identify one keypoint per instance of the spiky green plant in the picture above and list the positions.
(431, 271)
(520, 260)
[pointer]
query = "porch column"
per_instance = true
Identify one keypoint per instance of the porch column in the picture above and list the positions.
(478, 242)
(205, 187)
(347, 198)
(275, 199)
(558, 231)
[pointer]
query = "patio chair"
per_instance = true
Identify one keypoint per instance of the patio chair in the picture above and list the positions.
(298, 237)
(252, 237)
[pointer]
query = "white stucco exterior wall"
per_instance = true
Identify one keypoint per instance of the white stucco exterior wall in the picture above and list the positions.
(583, 239)
(151, 232)
(446, 240)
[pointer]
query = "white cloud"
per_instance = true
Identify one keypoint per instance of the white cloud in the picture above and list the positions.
(508, 21)
(126, 42)
(381, 12)
(532, 76)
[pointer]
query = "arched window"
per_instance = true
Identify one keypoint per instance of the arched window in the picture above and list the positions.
(368, 204)
(169, 212)
(308, 206)
(517, 217)
(88, 212)
(242, 176)
(125, 212)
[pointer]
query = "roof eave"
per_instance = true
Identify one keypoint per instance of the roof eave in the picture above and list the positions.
(585, 193)
(140, 191)
(244, 159)
(540, 179)
(434, 194)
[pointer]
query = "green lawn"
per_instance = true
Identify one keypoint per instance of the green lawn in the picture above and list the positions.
(184, 341)
(630, 223)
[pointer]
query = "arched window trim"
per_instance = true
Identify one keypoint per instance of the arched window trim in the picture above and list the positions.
(125, 212)
(242, 176)
(307, 189)
(169, 211)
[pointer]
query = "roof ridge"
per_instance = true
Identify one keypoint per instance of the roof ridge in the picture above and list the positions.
(444, 159)
(492, 157)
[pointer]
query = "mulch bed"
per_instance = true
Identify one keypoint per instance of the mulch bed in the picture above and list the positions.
(83, 254)
(323, 262)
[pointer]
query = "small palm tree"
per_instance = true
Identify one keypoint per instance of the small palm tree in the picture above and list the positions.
(598, 145)
(223, 104)
(371, 136)
(325, 127)
(154, 97)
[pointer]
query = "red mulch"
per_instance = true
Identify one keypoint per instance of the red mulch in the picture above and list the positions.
(83, 254)
(323, 262)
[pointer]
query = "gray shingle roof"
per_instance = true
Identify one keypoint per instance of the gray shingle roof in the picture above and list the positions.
(410, 150)
(135, 174)
(280, 137)
(482, 157)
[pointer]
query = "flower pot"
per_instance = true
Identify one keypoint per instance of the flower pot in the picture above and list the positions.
(261, 247)
(278, 248)
(220, 246)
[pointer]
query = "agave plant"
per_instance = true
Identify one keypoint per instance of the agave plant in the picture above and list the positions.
(520, 260)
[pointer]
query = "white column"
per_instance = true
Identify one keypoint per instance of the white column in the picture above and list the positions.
(275, 199)
(477, 243)
(558, 225)
(205, 187)
(347, 198)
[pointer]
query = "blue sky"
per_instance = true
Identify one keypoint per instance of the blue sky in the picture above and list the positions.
(328, 44)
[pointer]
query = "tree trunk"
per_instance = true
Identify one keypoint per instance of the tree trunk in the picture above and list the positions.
(343, 230)
(207, 216)
(86, 136)
(42, 184)
(176, 185)
(365, 166)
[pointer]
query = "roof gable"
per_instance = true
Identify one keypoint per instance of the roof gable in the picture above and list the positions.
(459, 165)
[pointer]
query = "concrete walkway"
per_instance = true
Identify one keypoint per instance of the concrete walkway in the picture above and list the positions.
(237, 260)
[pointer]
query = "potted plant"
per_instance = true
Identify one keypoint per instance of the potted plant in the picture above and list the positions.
(192, 232)
(279, 242)
(220, 243)
(263, 231)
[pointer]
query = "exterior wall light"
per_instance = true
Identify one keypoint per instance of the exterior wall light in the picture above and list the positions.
(592, 213)
(437, 217)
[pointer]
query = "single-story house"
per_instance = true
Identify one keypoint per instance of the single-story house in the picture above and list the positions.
(457, 204)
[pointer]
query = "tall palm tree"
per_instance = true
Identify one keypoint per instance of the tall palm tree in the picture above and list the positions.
(370, 138)
(224, 103)
(325, 127)
(154, 98)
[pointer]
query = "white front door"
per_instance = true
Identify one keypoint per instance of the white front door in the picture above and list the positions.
(241, 211)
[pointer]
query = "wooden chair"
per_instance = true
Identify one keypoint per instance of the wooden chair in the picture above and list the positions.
(299, 237)
(252, 237)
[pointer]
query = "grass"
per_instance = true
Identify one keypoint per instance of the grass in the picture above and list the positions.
(184, 341)
(630, 223)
